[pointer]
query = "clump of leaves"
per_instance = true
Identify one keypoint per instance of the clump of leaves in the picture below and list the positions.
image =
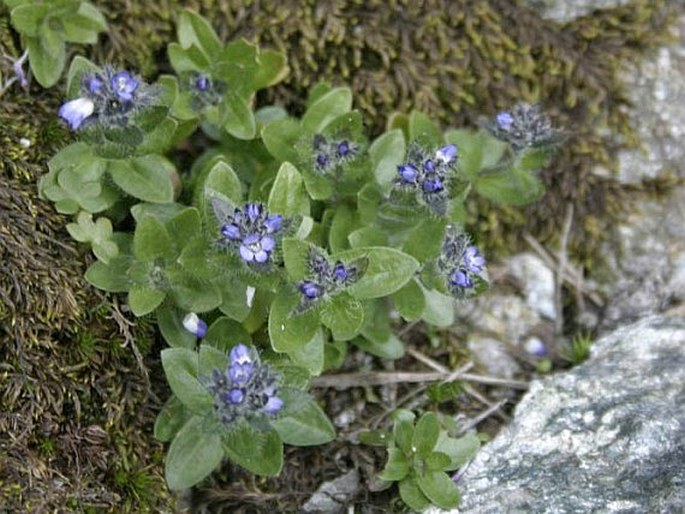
(420, 455)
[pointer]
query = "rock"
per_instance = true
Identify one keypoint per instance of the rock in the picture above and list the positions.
(607, 436)
(537, 281)
(332, 496)
(493, 356)
(563, 11)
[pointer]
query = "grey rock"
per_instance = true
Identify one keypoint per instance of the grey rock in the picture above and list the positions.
(606, 437)
(563, 11)
(492, 355)
(537, 281)
(506, 317)
(332, 496)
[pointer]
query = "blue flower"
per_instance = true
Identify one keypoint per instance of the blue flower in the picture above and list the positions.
(310, 290)
(94, 84)
(461, 263)
(256, 248)
(331, 154)
(251, 231)
(427, 173)
(76, 111)
(504, 120)
(246, 389)
(124, 85)
(408, 173)
(202, 82)
(446, 154)
(193, 324)
(523, 126)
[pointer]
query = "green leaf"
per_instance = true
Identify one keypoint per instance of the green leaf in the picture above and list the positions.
(378, 337)
(344, 222)
(387, 271)
(470, 147)
(151, 240)
(308, 427)
(80, 29)
(192, 293)
(436, 461)
(280, 138)
(240, 121)
(344, 315)
(143, 299)
(311, 354)
(410, 301)
(170, 323)
(193, 29)
(211, 359)
(272, 69)
(325, 109)
(295, 257)
(46, 57)
(439, 489)
(460, 450)
(387, 153)
(27, 19)
(412, 495)
(77, 69)
(170, 420)
(225, 333)
(258, 452)
(287, 332)
(318, 187)
(424, 130)
(425, 241)
(220, 179)
(513, 186)
(426, 434)
(288, 196)
(397, 466)
(403, 434)
(234, 296)
(194, 453)
(89, 11)
(110, 277)
(185, 226)
(439, 309)
(367, 236)
(186, 59)
(181, 369)
(147, 178)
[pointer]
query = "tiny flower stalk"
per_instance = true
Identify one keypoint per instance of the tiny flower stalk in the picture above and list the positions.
(246, 389)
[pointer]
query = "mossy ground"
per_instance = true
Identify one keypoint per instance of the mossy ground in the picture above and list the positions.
(77, 398)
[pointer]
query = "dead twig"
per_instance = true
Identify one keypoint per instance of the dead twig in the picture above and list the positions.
(372, 378)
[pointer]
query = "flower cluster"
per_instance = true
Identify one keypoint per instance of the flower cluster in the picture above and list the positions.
(461, 263)
(427, 173)
(245, 389)
(204, 90)
(325, 278)
(251, 231)
(108, 98)
(329, 154)
(524, 126)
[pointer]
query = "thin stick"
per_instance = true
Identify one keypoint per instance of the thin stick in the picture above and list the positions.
(349, 380)
(483, 415)
(561, 268)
